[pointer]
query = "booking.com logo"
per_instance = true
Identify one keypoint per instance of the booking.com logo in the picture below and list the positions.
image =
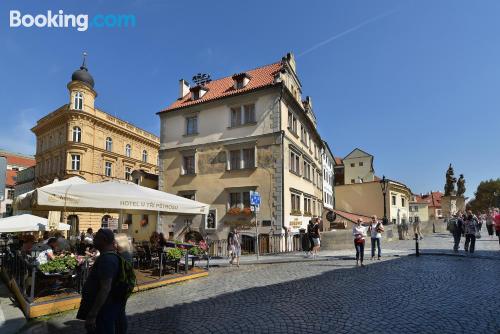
(80, 21)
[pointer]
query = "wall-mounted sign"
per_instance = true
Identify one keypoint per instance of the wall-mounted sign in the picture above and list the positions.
(295, 223)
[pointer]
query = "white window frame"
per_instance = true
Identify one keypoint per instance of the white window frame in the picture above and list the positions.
(75, 162)
(128, 150)
(128, 173)
(109, 144)
(77, 134)
(108, 166)
(184, 171)
(241, 116)
(241, 202)
(78, 101)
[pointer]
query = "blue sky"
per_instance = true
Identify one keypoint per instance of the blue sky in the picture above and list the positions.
(415, 83)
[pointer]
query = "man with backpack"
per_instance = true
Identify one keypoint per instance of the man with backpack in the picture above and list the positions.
(107, 288)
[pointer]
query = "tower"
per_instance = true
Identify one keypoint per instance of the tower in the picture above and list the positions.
(81, 89)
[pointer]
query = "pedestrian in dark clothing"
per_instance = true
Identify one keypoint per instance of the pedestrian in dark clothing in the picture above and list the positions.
(99, 307)
(310, 236)
(471, 228)
(457, 231)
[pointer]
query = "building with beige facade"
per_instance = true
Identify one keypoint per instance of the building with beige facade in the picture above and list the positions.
(247, 132)
(79, 139)
(362, 193)
(419, 209)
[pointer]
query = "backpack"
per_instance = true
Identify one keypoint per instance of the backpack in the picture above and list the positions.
(125, 281)
(452, 225)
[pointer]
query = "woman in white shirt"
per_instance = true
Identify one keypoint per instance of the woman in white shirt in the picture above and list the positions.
(376, 228)
(359, 233)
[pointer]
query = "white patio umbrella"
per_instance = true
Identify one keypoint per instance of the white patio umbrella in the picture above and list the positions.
(27, 223)
(116, 196)
(27, 201)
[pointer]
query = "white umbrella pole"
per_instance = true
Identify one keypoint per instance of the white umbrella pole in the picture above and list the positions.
(120, 221)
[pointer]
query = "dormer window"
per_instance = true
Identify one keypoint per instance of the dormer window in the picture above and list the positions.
(197, 92)
(78, 102)
(241, 80)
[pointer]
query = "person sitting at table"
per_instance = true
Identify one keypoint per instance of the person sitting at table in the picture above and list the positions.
(154, 240)
(63, 244)
(48, 254)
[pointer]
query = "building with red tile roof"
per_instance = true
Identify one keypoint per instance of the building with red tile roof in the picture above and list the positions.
(15, 163)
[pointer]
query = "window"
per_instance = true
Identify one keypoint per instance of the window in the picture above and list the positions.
(417, 219)
(75, 162)
(410, 219)
(239, 84)
(190, 195)
(239, 199)
(305, 138)
(188, 165)
(128, 173)
(77, 134)
(353, 181)
(393, 199)
(403, 202)
(109, 144)
(107, 168)
(144, 156)
(353, 164)
(78, 103)
(242, 115)
(307, 205)
(307, 171)
(294, 163)
(211, 219)
(394, 220)
(360, 164)
(10, 194)
(241, 159)
(128, 150)
(295, 203)
(292, 123)
(191, 125)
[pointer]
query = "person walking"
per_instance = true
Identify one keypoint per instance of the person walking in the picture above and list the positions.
(457, 229)
(497, 224)
(310, 228)
(416, 228)
(315, 238)
(471, 227)
(234, 242)
(376, 228)
(359, 233)
(100, 309)
(490, 222)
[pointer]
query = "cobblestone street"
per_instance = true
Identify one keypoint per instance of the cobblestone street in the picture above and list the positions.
(427, 294)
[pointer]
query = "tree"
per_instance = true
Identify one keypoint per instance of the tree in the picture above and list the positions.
(485, 196)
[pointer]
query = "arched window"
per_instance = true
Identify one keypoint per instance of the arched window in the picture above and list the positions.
(109, 144)
(78, 103)
(145, 156)
(77, 134)
(128, 150)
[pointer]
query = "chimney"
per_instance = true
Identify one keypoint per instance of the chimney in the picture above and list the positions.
(183, 88)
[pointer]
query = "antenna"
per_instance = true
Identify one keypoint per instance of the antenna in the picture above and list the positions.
(201, 79)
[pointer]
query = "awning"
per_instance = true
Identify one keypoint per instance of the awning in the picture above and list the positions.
(27, 223)
(114, 196)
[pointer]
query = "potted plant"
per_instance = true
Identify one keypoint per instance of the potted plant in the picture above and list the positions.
(234, 211)
(247, 211)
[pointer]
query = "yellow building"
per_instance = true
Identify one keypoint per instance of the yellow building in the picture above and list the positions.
(222, 139)
(78, 139)
(419, 209)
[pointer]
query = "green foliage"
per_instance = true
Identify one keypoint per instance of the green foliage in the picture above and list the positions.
(484, 196)
(174, 254)
(59, 265)
(195, 251)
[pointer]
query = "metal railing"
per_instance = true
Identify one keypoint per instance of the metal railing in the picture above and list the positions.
(268, 244)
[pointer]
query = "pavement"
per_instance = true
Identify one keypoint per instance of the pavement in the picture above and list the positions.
(398, 294)
(11, 317)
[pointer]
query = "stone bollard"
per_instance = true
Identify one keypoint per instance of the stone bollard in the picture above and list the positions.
(417, 250)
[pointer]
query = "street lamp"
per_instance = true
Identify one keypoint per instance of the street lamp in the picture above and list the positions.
(383, 185)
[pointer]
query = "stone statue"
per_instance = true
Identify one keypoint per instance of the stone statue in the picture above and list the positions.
(449, 188)
(461, 186)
